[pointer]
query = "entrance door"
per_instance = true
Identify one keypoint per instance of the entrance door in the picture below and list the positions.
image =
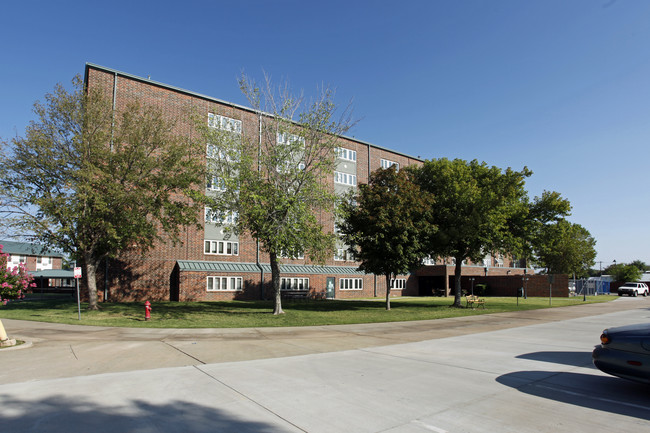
(330, 287)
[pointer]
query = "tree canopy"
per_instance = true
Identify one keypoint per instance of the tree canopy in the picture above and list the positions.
(92, 181)
(277, 183)
(623, 272)
(475, 208)
(565, 248)
(385, 224)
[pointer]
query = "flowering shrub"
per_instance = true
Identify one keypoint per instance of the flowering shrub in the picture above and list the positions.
(15, 281)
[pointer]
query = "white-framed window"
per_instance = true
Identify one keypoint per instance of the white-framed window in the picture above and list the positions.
(343, 255)
(345, 178)
(216, 184)
(398, 283)
(487, 260)
(286, 255)
(346, 154)
(225, 123)
(212, 151)
(289, 283)
(16, 260)
(385, 163)
(428, 261)
(285, 167)
(43, 263)
(222, 248)
(351, 283)
(224, 284)
(288, 138)
(218, 217)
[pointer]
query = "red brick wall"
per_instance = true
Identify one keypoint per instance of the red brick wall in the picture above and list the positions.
(136, 276)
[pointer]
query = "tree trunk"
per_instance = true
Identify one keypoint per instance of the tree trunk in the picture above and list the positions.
(458, 271)
(388, 291)
(91, 280)
(275, 283)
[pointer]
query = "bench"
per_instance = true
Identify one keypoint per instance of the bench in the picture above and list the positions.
(294, 294)
(473, 300)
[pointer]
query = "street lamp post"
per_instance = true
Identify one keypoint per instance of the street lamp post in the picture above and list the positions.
(472, 281)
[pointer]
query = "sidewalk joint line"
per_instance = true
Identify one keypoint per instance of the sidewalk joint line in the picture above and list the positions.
(183, 352)
(249, 399)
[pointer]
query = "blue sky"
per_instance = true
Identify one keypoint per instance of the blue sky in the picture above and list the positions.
(559, 86)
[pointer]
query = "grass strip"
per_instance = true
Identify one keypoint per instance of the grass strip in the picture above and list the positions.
(248, 314)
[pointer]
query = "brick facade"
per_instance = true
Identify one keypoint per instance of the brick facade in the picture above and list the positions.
(156, 275)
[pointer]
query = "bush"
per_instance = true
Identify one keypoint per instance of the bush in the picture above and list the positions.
(481, 289)
(15, 281)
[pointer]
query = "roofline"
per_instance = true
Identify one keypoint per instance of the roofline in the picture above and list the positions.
(220, 101)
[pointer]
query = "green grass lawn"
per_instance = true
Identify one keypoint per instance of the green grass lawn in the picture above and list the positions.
(245, 314)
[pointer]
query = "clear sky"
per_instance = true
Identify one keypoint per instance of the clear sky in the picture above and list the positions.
(559, 86)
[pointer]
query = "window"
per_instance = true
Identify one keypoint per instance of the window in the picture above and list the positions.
(225, 123)
(286, 255)
(385, 163)
(224, 248)
(212, 151)
(218, 217)
(343, 254)
(286, 166)
(43, 263)
(347, 154)
(294, 284)
(224, 284)
(16, 260)
(351, 284)
(287, 138)
(398, 283)
(345, 178)
(216, 184)
(429, 261)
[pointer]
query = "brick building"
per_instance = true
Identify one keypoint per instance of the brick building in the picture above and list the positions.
(213, 265)
(43, 264)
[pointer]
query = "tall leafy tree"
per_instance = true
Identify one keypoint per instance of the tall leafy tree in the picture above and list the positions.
(93, 182)
(386, 223)
(624, 272)
(640, 265)
(475, 208)
(565, 248)
(276, 185)
(530, 226)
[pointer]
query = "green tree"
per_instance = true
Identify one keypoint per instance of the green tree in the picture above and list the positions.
(640, 265)
(93, 182)
(386, 223)
(475, 209)
(565, 248)
(623, 272)
(275, 186)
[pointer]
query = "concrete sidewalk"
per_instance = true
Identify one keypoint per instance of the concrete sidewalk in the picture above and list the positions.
(70, 350)
(524, 372)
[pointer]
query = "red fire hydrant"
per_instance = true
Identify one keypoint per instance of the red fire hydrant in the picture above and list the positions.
(147, 310)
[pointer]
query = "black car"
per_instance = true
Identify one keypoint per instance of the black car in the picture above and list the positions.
(625, 352)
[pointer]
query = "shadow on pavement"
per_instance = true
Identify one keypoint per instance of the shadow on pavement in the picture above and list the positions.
(64, 414)
(607, 394)
(577, 359)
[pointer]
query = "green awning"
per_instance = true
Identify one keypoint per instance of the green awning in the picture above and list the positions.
(234, 267)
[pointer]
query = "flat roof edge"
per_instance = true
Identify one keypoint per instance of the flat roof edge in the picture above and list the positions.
(220, 101)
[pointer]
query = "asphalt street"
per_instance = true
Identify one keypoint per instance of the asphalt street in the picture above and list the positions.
(510, 372)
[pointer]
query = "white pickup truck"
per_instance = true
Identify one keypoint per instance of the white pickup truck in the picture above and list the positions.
(633, 289)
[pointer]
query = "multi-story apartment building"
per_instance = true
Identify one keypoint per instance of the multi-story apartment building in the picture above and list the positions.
(43, 264)
(213, 264)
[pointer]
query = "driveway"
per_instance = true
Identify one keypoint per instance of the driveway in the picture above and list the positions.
(512, 372)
